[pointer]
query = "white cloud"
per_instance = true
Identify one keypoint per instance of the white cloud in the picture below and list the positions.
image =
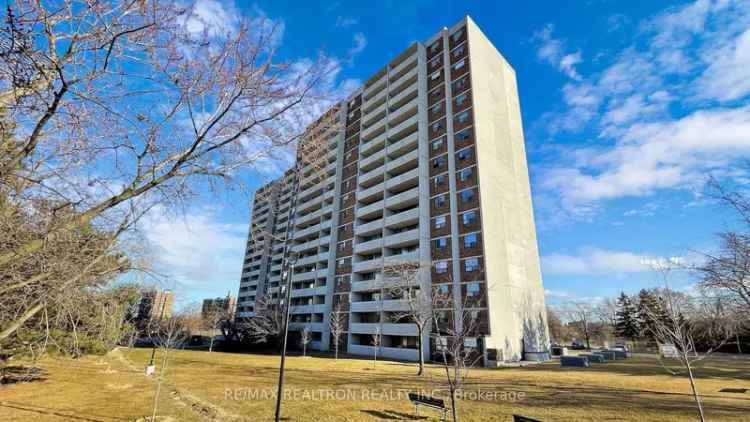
(196, 250)
(552, 51)
(213, 17)
(345, 22)
(659, 109)
(728, 77)
(593, 261)
(360, 42)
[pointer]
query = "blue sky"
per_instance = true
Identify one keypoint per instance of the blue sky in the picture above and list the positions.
(627, 107)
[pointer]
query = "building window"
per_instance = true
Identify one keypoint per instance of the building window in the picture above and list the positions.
(457, 35)
(470, 241)
(435, 63)
(471, 265)
(459, 65)
(439, 180)
(464, 154)
(437, 107)
(461, 99)
(440, 222)
(435, 76)
(463, 117)
(435, 47)
(440, 201)
(342, 246)
(473, 290)
(463, 136)
(342, 263)
(344, 228)
(443, 290)
(469, 218)
(441, 267)
(467, 195)
(441, 244)
(437, 144)
(466, 174)
(438, 162)
(437, 126)
(459, 51)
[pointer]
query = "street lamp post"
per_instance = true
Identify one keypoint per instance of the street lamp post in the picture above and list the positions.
(292, 260)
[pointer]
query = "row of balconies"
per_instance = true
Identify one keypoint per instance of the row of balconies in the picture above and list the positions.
(388, 328)
(399, 201)
(396, 240)
(378, 263)
(313, 244)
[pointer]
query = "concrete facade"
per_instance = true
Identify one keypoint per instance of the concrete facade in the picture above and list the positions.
(425, 163)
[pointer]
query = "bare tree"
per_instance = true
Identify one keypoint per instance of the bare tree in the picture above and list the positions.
(122, 106)
(404, 279)
(727, 272)
(305, 338)
(581, 315)
(168, 334)
(605, 311)
(337, 325)
(268, 322)
(377, 339)
(455, 327)
(671, 327)
(214, 318)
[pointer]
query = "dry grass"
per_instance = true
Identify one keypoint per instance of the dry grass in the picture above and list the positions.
(216, 386)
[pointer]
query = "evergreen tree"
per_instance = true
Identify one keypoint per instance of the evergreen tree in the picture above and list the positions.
(627, 324)
(650, 310)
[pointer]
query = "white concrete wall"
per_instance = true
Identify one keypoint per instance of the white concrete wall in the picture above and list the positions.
(515, 293)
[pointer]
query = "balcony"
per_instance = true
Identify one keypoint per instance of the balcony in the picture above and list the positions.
(365, 266)
(369, 246)
(370, 210)
(403, 162)
(401, 219)
(310, 275)
(369, 306)
(404, 82)
(312, 326)
(372, 193)
(373, 116)
(367, 285)
(375, 87)
(404, 146)
(402, 129)
(371, 146)
(372, 131)
(403, 199)
(368, 228)
(308, 309)
(372, 161)
(403, 180)
(402, 239)
(372, 177)
(406, 63)
(401, 113)
(364, 327)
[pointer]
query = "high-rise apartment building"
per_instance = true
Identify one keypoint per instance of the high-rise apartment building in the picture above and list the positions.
(425, 163)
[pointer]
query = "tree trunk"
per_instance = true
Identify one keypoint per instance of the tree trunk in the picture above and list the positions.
(421, 353)
(304, 349)
(454, 410)
(696, 397)
(211, 346)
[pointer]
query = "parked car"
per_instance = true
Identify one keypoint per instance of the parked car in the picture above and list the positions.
(577, 345)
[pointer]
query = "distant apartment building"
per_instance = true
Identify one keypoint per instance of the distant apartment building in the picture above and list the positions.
(155, 305)
(425, 163)
(222, 305)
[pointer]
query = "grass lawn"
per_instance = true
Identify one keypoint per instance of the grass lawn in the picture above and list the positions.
(215, 386)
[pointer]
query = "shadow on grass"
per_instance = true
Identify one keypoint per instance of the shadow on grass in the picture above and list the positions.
(706, 369)
(65, 414)
(393, 415)
(20, 374)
